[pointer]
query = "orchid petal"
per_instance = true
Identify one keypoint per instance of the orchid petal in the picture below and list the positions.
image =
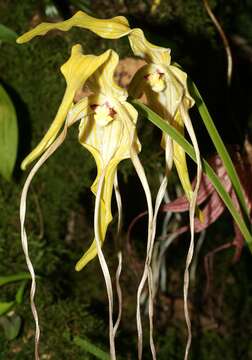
(51, 149)
(76, 71)
(103, 263)
(109, 143)
(105, 215)
(143, 48)
(103, 81)
(180, 159)
(113, 28)
(119, 206)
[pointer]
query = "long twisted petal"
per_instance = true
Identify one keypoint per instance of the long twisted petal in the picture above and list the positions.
(76, 71)
(113, 28)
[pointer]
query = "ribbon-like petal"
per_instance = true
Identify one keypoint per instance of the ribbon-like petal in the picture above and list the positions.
(143, 48)
(76, 71)
(113, 28)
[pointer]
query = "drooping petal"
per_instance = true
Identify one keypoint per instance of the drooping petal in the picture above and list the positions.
(76, 71)
(51, 149)
(127, 113)
(188, 124)
(149, 52)
(179, 79)
(180, 159)
(105, 215)
(109, 143)
(104, 266)
(113, 28)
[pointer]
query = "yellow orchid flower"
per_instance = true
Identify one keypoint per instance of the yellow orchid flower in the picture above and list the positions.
(108, 130)
(163, 83)
(166, 91)
(109, 134)
(167, 94)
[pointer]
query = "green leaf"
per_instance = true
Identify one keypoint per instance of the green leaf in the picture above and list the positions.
(220, 147)
(20, 292)
(91, 348)
(5, 307)
(13, 278)
(11, 326)
(174, 134)
(8, 135)
(7, 35)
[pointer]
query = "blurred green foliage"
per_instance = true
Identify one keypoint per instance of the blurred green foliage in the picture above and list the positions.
(8, 135)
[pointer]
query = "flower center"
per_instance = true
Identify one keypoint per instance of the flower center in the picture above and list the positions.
(156, 81)
(103, 114)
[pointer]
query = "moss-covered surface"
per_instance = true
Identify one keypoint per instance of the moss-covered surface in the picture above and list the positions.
(60, 205)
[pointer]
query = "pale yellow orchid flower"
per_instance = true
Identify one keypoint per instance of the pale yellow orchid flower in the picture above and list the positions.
(107, 128)
(166, 91)
(165, 87)
(167, 94)
(110, 135)
(164, 84)
(108, 131)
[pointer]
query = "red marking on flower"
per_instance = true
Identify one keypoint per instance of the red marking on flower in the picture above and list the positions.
(112, 112)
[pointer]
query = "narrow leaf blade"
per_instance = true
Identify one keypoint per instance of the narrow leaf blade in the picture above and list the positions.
(220, 147)
(5, 307)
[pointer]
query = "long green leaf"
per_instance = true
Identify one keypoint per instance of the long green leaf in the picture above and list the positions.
(164, 126)
(20, 292)
(8, 135)
(13, 278)
(7, 35)
(220, 147)
(91, 348)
